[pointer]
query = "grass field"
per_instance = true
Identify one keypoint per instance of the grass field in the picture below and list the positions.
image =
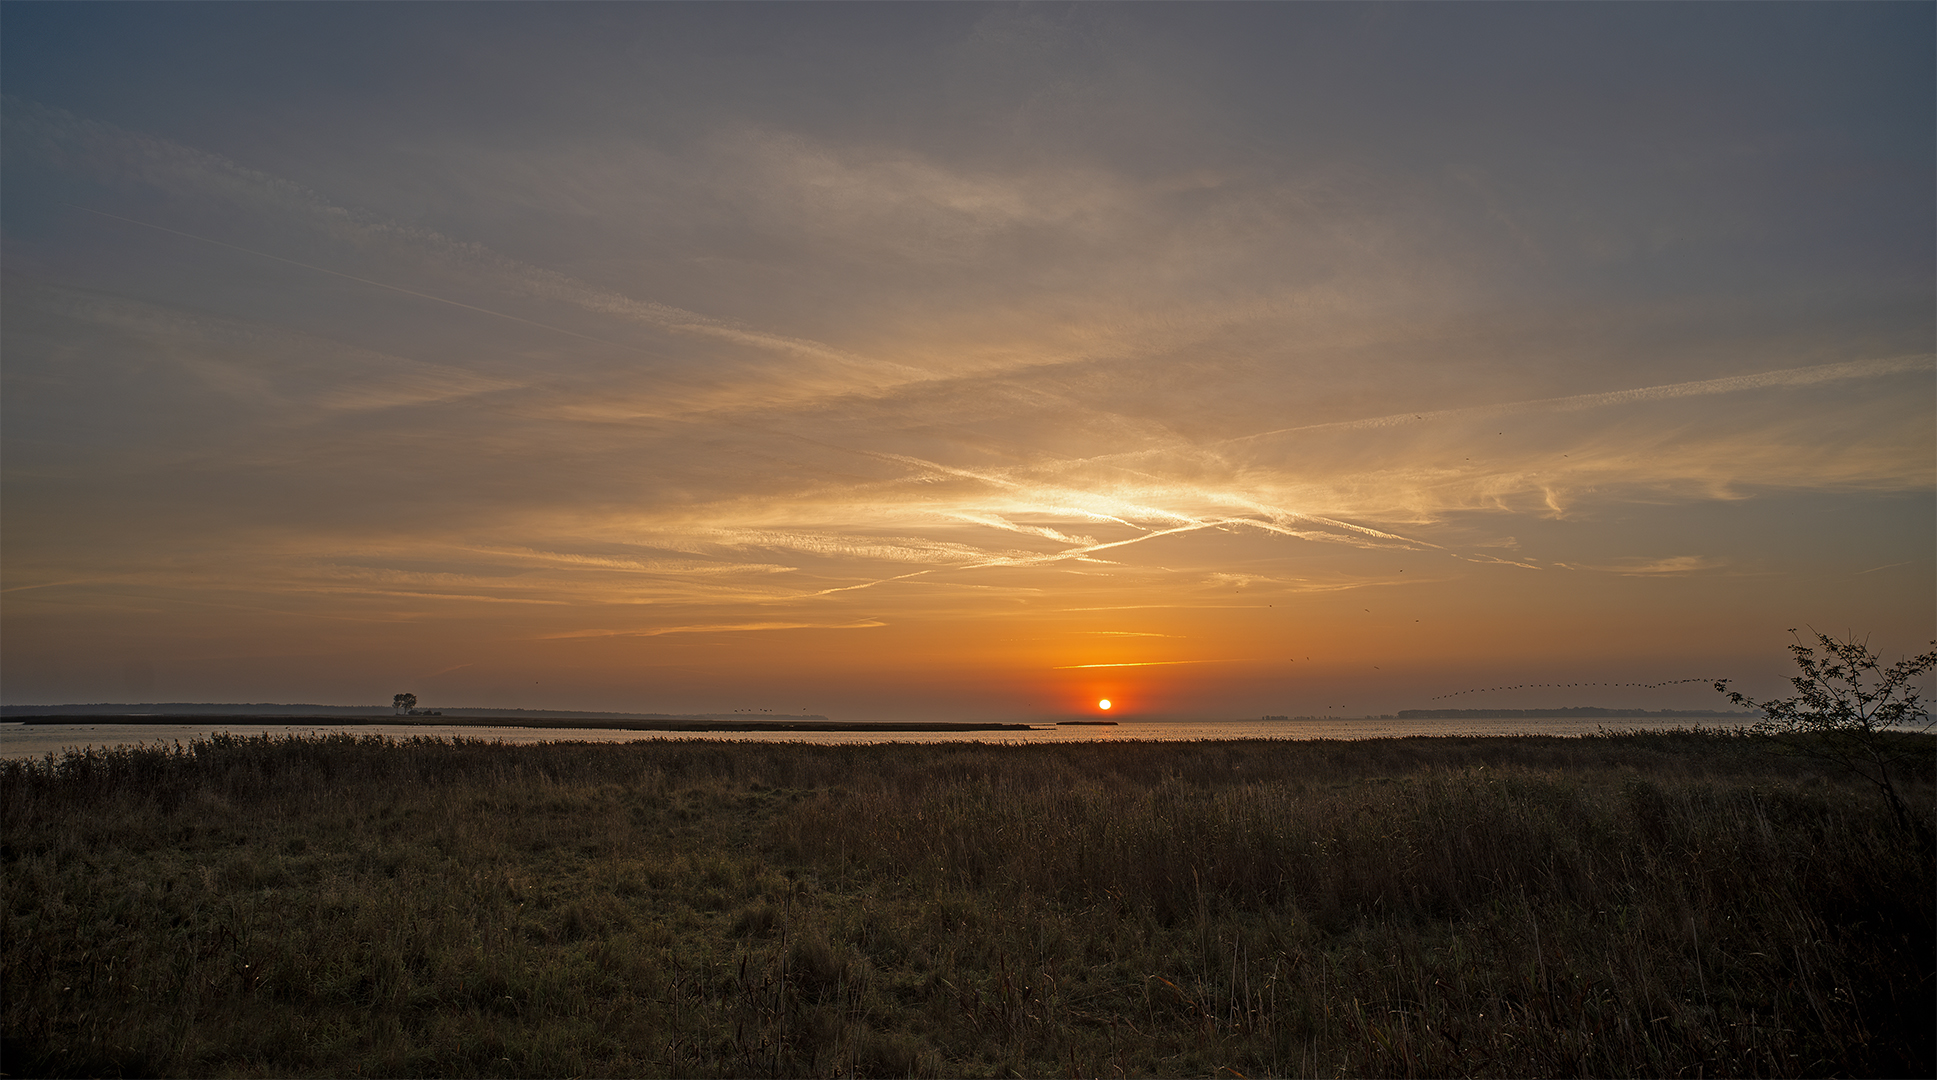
(1669, 904)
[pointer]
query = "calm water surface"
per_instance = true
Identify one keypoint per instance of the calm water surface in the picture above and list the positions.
(21, 740)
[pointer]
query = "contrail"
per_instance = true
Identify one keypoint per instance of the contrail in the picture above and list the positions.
(353, 277)
(870, 584)
(713, 628)
(1150, 663)
(1788, 377)
(88, 581)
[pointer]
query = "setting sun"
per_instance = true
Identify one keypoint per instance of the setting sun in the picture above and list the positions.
(1104, 704)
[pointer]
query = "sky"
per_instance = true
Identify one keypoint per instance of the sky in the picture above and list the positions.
(963, 361)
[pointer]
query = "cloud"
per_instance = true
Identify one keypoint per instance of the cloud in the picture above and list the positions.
(1672, 566)
(912, 205)
(905, 549)
(266, 366)
(679, 567)
(1888, 566)
(211, 184)
(1787, 379)
(1522, 564)
(1153, 663)
(714, 628)
(997, 522)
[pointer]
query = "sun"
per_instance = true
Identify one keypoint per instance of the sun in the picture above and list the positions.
(1104, 704)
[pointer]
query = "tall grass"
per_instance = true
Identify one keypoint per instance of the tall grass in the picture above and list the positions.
(1629, 904)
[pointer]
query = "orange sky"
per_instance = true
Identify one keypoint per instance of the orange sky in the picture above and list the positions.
(961, 361)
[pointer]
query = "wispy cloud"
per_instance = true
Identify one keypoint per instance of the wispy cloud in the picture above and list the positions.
(994, 521)
(1153, 663)
(1788, 378)
(268, 366)
(1887, 566)
(104, 151)
(1482, 558)
(1674, 565)
(714, 628)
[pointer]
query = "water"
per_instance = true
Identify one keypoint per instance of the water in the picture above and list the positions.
(19, 740)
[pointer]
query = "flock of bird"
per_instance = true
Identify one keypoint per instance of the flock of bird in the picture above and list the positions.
(1566, 685)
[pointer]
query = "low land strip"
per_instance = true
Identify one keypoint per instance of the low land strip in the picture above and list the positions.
(1658, 904)
(696, 723)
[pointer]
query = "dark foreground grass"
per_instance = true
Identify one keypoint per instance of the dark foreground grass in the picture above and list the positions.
(1640, 904)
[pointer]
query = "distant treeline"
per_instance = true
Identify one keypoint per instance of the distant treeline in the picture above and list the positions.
(1586, 712)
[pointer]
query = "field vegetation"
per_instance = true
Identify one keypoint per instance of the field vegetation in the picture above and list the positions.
(1667, 904)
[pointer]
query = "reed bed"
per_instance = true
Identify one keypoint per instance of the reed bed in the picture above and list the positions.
(1662, 904)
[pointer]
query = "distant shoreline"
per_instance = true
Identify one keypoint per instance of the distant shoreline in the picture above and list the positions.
(696, 723)
(204, 709)
(360, 716)
(1582, 713)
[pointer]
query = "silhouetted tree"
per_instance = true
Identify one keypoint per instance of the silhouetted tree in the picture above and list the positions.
(1851, 711)
(404, 702)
